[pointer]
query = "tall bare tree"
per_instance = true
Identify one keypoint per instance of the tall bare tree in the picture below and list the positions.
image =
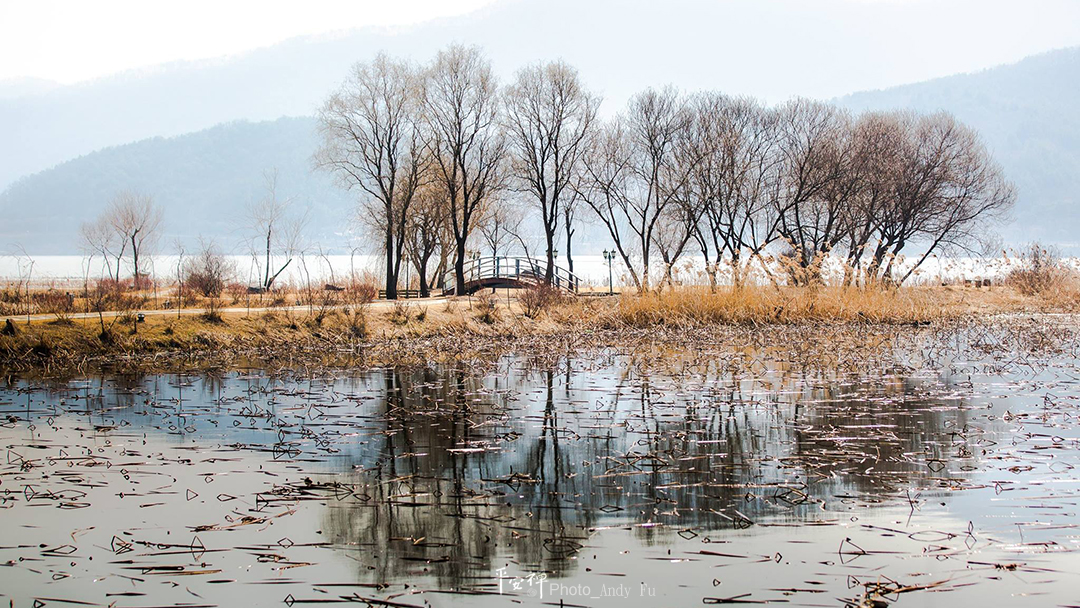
(948, 190)
(817, 181)
(464, 139)
(371, 142)
(735, 177)
(549, 115)
(633, 175)
(276, 232)
(427, 234)
(98, 237)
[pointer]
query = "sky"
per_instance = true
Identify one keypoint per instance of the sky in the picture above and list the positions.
(73, 41)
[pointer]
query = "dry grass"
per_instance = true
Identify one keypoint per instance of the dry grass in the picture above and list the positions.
(1040, 273)
(359, 333)
(764, 305)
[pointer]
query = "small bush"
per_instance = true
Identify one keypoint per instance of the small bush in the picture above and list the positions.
(361, 292)
(1039, 271)
(400, 313)
(535, 299)
(487, 307)
(236, 291)
(52, 301)
(209, 272)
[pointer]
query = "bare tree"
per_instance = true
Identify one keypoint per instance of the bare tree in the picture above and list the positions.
(371, 142)
(949, 188)
(130, 223)
(427, 234)
(569, 210)
(99, 237)
(276, 232)
(549, 115)
(633, 174)
(881, 139)
(137, 219)
(499, 223)
(817, 180)
(735, 178)
(180, 251)
(464, 139)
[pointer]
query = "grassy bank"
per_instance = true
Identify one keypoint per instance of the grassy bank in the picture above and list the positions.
(479, 327)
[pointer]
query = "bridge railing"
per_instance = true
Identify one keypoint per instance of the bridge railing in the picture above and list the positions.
(523, 270)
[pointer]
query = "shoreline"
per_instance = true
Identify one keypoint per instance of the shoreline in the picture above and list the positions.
(482, 328)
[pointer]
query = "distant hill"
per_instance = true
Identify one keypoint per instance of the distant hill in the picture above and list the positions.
(620, 46)
(1029, 115)
(203, 180)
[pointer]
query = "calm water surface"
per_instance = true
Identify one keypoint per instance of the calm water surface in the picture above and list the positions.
(589, 481)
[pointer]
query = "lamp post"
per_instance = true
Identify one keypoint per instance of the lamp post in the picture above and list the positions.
(555, 262)
(474, 268)
(609, 256)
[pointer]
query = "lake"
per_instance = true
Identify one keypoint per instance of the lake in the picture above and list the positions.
(68, 271)
(942, 474)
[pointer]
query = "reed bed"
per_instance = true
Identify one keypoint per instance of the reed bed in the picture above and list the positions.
(757, 305)
(485, 327)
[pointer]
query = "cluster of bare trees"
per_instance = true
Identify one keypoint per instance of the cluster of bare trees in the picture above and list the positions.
(129, 226)
(435, 151)
(442, 157)
(735, 179)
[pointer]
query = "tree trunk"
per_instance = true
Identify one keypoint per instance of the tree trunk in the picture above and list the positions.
(459, 268)
(421, 269)
(569, 249)
(549, 272)
(391, 267)
(135, 260)
(266, 278)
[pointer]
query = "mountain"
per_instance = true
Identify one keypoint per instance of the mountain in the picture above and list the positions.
(772, 49)
(1028, 114)
(13, 88)
(204, 181)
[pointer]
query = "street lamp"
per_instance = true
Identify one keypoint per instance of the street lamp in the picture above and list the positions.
(609, 256)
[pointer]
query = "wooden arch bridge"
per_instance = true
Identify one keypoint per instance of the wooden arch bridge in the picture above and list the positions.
(508, 272)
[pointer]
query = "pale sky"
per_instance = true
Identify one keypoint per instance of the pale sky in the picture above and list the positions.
(70, 41)
(858, 44)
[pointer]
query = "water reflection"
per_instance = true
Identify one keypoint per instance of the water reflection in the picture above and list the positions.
(445, 475)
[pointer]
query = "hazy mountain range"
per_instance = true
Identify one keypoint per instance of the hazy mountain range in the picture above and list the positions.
(1028, 114)
(205, 132)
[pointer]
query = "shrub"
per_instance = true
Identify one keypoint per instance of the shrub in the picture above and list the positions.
(488, 308)
(535, 299)
(209, 272)
(1038, 270)
(59, 303)
(361, 292)
(400, 313)
(236, 292)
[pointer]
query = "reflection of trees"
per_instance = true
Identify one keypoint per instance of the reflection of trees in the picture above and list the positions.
(676, 455)
(436, 510)
(454, 472)
(706, 454)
